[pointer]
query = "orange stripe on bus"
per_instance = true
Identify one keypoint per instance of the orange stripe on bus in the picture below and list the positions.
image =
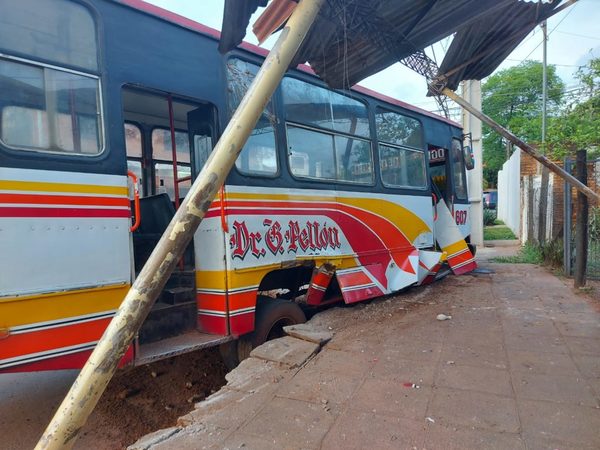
(53, 338)
(62, 200)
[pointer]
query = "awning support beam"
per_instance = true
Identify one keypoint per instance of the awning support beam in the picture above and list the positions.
(522, 145)
(83, 396)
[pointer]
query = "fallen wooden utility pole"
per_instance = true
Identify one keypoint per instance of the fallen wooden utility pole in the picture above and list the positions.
(72, 414)
(581, 187)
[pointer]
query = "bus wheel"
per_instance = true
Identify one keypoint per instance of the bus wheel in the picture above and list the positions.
(271, 316)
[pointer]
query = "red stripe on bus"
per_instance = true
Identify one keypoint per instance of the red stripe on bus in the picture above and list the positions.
(63, 200)
(63, 212)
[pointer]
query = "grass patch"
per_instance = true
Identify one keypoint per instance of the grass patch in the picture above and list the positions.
(498, 222)
(498, 233)
(529, 254)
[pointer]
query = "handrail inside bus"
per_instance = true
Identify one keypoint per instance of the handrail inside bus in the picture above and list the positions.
(136, 201)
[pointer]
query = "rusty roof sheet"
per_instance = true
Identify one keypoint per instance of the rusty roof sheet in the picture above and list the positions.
(353, 39)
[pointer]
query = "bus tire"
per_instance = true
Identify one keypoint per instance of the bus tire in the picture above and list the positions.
(271, 316)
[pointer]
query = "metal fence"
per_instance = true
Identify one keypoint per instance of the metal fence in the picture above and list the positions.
(570, 212)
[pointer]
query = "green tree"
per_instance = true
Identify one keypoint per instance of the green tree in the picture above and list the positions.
(513, 98)
(578, 127)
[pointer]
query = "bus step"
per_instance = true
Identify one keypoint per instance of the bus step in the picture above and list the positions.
(182, 279)
(165, 321)
(177, 345)
(178, 295)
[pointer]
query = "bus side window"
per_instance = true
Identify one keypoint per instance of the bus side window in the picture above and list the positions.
(58, 111)
(327, 133)
(259, 155)
(51, 107)
(401, 155)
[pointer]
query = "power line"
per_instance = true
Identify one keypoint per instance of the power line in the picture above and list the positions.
(557, 25)
(597, 38)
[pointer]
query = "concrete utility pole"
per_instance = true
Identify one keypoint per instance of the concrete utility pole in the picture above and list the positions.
(471, 92)
(543, 204)
(72, 414)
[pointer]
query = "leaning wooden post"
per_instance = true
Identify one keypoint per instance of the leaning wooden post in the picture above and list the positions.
(581, 223)
(97, 372)
(581, 187)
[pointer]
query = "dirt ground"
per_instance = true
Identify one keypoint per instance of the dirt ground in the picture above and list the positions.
(516, 367)
(136, 402)
(144, 399)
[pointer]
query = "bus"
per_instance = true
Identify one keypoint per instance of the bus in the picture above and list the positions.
(108, 111)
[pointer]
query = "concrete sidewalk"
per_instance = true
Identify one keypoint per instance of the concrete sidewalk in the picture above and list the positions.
(517, 366)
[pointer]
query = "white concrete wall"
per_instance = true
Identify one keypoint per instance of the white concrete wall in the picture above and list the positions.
(509, 193)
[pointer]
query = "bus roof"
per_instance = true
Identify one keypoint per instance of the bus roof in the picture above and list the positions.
(190, 24)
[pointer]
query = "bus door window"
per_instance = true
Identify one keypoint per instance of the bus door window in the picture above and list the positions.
(201, 135)
(133, 147)
(458, 171)
(438, 170)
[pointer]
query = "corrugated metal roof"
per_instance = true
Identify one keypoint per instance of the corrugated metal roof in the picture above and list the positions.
(353, 39)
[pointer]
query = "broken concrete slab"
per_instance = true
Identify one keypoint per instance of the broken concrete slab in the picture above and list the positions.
(255, 375)
(155, 438)
(309, 332)
(288, 351)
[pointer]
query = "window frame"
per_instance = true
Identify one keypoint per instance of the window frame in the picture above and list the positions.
(274, 107)
(333, 135)
(98, 36)
(155, 161)
(177, 130)
(405, 148)
(362, 101)
(329, 131)
(101, 119)
(388, 110)
(384, 143)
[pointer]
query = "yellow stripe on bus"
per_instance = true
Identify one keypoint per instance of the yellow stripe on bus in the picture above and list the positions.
(456, 247)
(409, 223)
(15, 311)
(252, 276)
(6, 185)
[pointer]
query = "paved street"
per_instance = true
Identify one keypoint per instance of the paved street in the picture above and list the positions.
(517, 366)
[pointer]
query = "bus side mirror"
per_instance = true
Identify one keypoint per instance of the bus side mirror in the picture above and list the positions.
(468, 155)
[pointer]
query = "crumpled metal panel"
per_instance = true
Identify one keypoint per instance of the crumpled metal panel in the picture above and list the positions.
(490, 40)
(353, 39)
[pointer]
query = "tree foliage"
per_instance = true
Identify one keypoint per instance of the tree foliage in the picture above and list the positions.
(513, 98)
(578, 127)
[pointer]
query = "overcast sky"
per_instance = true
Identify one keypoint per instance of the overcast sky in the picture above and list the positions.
(574, 38)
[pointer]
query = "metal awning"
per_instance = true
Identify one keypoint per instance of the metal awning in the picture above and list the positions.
(353, 39)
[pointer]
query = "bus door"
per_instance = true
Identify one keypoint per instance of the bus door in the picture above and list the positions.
(448, 177)
(447, 170)
(159, 152)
